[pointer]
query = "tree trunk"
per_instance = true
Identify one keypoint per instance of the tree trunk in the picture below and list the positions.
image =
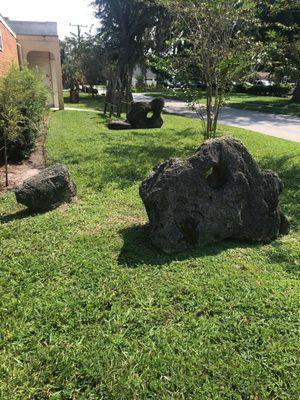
(296, 95)
(119, 90)
(74, 96)
(125, 72)
(125, 95)
(110, 88)
(208, 111)
(6, 161)
(92, 91)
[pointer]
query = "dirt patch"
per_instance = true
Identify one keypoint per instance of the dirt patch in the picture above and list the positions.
(18, 173)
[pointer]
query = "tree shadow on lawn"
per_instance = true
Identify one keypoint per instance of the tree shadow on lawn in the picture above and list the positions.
(128, 164)
(5, 219)
(124, 163)
(88, 101)
(290, 176)
(280, 106)
(281, 252)
(287, 257)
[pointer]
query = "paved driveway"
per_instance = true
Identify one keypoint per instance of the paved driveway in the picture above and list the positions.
(281, 126)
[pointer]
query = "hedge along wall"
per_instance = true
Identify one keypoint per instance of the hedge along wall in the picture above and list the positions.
(23, 96)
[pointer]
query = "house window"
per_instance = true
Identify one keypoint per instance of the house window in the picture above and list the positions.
(1, 42)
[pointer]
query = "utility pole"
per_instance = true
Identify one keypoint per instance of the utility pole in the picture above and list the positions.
(78, 26)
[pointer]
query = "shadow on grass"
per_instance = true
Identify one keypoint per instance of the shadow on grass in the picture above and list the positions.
(16, 216)
(281, 254)
(89, 101)
(126, 158)
(137, 249)
(122, 164)
(131, 163)
(280, 106)
(290, 175)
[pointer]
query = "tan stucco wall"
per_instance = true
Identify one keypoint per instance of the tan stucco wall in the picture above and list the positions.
(51, 64)
(42, 59)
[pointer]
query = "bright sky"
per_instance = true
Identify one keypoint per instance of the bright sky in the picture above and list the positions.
(63, 12)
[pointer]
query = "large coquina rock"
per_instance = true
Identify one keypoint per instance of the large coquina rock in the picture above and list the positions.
(146, 115)
(219, 193)
(47, 190)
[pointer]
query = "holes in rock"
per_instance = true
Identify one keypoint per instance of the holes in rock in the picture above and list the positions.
(150, 114)
(216, 177)
(189, 230)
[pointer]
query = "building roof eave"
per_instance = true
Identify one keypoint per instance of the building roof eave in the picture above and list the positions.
(4, 22)
(34, 28)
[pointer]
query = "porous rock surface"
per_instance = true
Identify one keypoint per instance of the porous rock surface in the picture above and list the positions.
(146, 115)
(219, 193)
(47, 190)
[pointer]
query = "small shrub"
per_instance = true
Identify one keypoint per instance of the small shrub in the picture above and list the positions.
(275, 90)
(23, 96)
(241, 87)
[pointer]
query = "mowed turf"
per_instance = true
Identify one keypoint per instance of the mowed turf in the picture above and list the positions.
(90, 311)
(244, 101)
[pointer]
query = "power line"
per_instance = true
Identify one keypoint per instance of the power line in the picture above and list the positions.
(78, 26)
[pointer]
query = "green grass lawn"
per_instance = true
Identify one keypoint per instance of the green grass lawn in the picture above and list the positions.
(269, 104)
(85, 101)
(90, 311)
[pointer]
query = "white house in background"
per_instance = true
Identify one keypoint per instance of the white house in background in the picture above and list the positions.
(150, 77)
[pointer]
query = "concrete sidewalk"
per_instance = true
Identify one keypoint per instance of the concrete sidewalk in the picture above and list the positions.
(80, 109)
(281, 126)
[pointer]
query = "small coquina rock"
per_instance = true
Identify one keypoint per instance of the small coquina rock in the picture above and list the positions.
(47, 190)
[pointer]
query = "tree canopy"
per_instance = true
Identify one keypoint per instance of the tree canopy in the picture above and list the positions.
(213, 43)
(83, 60)
(130, 29)
(280, 33)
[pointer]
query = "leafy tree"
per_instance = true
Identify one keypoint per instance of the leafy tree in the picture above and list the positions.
(130, 28)
(280, 33)
(71, 68)
(83, 62)
(213, 44)
(295, 59)
(93, 60)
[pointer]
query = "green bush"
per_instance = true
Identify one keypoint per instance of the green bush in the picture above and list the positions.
(276, 90)
(241, 87)
(23, 96)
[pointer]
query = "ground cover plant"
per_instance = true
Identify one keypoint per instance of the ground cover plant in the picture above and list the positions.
(269, 104)
(89, 310)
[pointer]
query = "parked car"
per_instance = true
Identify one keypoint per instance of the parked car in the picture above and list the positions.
(264, 82)
(240, 87)
(89, 89)
(197, 85)
(172, 85)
